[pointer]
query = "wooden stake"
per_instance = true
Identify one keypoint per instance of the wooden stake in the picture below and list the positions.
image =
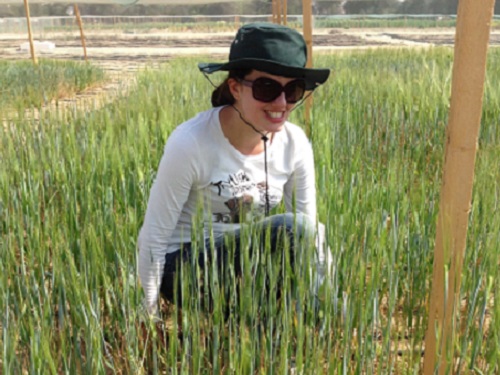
(307, 24)
(80, 25)
(30, 35)
(278, 12)
(285, 11)
(469, 66)
(275, 11)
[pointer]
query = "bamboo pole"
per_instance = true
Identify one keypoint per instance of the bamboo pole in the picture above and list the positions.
(469, 66)
(275, 11)
(278, 12)
(307, 25)
(30, 34)
(285, 11)
(80, 25)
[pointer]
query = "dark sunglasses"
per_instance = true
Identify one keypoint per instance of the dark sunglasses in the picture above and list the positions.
(266, 89)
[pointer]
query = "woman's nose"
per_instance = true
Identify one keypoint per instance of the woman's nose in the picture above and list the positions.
(281, 99)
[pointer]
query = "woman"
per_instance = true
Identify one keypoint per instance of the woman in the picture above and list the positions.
(239, 158)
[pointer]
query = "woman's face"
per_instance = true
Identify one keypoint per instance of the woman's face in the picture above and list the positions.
(266, 117)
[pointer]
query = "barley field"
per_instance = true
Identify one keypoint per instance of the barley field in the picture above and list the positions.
(73, 191)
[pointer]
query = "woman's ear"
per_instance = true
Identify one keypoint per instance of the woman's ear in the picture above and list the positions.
(234, 88)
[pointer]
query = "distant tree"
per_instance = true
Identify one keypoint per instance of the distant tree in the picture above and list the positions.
(429, 7)
(247, 7)
(370, 6)
(445, 7)
(329, 6)
(11, 11)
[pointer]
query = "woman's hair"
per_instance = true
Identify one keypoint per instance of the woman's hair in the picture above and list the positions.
(222, 95)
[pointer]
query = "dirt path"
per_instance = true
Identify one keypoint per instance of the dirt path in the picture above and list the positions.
(123, 54)
(157, 45)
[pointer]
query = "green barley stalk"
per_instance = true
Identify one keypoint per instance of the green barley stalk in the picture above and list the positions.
(73, 192)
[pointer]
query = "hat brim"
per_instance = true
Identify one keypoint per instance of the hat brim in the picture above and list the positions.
(312, 77)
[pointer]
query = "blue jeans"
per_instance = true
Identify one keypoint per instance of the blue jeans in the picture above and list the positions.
(279, 231)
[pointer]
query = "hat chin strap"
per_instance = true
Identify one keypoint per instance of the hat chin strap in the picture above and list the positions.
(263, 135)
(265, 138)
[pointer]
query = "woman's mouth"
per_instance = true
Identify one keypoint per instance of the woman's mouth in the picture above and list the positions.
(276, 115)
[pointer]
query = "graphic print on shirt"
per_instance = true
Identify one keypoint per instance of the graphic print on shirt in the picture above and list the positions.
(245, 198)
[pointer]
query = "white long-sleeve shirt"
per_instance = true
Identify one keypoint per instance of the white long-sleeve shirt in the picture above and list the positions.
(200, 166)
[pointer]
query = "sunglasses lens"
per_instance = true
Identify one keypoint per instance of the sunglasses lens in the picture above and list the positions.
(294, 91)
(266, 90)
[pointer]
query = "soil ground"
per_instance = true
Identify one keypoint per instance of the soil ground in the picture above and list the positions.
(122, 53)
(125, 49)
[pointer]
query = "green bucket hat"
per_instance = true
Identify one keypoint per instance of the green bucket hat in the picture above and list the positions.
(270, 48)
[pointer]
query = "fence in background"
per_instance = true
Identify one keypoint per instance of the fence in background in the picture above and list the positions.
(45, 24)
